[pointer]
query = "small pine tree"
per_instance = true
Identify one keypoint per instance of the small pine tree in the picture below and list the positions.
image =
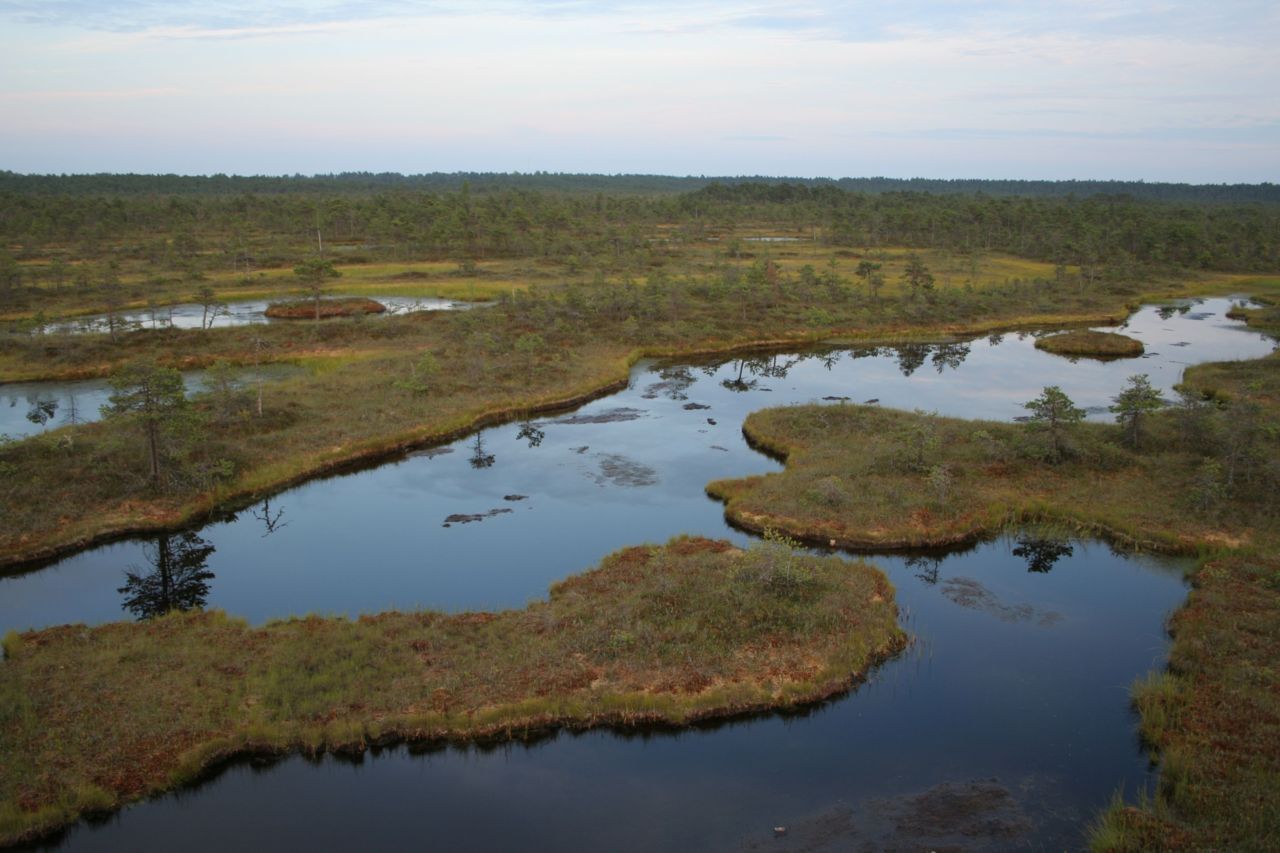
(155, 398)
(1132, 403)
(1054, 413)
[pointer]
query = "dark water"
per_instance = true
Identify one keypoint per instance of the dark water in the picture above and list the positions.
(1020, 671)
(192, 315)
(1017, 676)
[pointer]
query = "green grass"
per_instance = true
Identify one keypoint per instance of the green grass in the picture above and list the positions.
(670, 634)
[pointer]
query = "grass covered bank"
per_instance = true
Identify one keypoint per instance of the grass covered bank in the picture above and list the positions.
(655, 635)
(1212, 720)
(862, 477)
(1203, 479)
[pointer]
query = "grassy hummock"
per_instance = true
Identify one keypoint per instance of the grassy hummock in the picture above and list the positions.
(655, 635)
(1203, 482)
(853, 481)
(305, 309)
(1090, 344)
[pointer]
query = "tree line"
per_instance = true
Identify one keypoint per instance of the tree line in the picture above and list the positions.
(251, 230)
(375, 182)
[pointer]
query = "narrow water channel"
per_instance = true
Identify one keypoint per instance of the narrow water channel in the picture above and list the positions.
(531, 504)
(1006, 723)
(30, 408)
(1005, 727)
(240, 312)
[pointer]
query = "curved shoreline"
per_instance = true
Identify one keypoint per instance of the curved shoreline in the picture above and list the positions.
(708, 636)
(218, 756)
(206, 505)
(1207, 718)
(1013, 517)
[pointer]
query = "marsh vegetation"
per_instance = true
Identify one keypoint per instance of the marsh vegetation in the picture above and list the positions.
(582, 286)
(671, 634)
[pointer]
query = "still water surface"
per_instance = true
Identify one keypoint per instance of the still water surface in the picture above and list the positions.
(1019, 674)
(243, 312)
(29, 408)
(555, 496)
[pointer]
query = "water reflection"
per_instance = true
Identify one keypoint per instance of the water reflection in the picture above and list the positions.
(271, 519)
(531, 433)
(910, 357)
(178, 580)
(949, 356)
(41, 411)
(737, 383)
(480, 459)
(924, 568)
(27, 408)
(1010, 685)
(195, 315)
(1166, 312)
(631, 467)
(1024, 661)
(773, 366)
(674, 382)
(1041, 554)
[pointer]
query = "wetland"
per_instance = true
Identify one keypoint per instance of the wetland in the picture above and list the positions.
(396, 566)
(489, 522)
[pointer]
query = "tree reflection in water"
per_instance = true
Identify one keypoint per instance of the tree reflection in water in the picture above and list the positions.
(271, 519)
(949, 355)
(531, 433)
(178, 580)
(41, 411)
(1041, 554)
(480, 459)
(738, 384)
(910, 357)
(925, 568)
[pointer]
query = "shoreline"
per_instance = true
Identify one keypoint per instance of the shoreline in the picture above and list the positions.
(709, 634)
(206, 505)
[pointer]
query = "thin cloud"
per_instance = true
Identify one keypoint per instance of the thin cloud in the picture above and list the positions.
(1263, 133)
(94, 95)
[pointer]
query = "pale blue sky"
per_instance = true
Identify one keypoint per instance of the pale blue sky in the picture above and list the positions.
(1180, 91)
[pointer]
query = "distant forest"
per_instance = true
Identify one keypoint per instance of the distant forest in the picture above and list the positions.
(360, 183)
(195, 225)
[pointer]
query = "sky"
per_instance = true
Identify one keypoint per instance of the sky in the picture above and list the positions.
(1157, 91)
